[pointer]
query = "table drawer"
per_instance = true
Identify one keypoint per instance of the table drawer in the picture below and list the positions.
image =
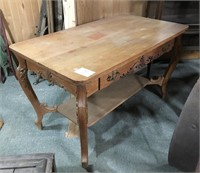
(134, 65)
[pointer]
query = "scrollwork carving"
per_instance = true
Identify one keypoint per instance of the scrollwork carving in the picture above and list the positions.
(142, 62)
(22, 73)
(50, 78)
(128, 72)
(113, 76)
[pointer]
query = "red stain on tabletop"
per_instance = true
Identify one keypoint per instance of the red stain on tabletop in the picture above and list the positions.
(96, 35)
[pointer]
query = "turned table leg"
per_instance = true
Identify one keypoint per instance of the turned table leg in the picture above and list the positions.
(40, 109)
(176, 53)
(82, 115)
(162, 81)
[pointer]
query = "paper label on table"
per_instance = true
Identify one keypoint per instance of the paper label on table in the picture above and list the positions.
(84, 72)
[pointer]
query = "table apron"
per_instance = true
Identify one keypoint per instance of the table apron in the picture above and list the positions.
(135, 65)
(54, 78)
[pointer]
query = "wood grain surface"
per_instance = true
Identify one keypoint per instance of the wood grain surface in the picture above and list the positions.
(99, 46)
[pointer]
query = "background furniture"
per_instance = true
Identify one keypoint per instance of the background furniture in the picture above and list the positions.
(37, 163)
(185, 12)
(184, 147)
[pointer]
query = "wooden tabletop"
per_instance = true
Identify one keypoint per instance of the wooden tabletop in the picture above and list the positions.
(90, 50)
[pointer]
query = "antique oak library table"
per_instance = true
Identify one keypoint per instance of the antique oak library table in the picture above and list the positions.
(96, 62)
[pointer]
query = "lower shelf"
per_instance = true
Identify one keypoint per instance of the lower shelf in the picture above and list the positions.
(106, 100)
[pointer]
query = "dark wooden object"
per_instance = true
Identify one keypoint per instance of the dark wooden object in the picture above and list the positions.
(154, 9)
(184, 12)
(31, 163)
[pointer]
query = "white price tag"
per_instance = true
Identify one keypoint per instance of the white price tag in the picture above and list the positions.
(84, 72)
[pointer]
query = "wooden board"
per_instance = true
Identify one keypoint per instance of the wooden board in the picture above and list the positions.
(49, 6)
(22, 17)
(1, 123)
(91, 10)
(69, 12)
(106, 100)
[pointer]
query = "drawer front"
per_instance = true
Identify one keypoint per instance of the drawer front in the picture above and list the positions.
(91, 87)
(134, 65)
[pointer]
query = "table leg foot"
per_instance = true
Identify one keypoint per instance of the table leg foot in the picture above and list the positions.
(39, 124)
(82, 116)
(1, 123)
(84, 145)
(85, 165)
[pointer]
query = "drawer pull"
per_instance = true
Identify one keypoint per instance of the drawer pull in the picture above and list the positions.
(113, 76)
